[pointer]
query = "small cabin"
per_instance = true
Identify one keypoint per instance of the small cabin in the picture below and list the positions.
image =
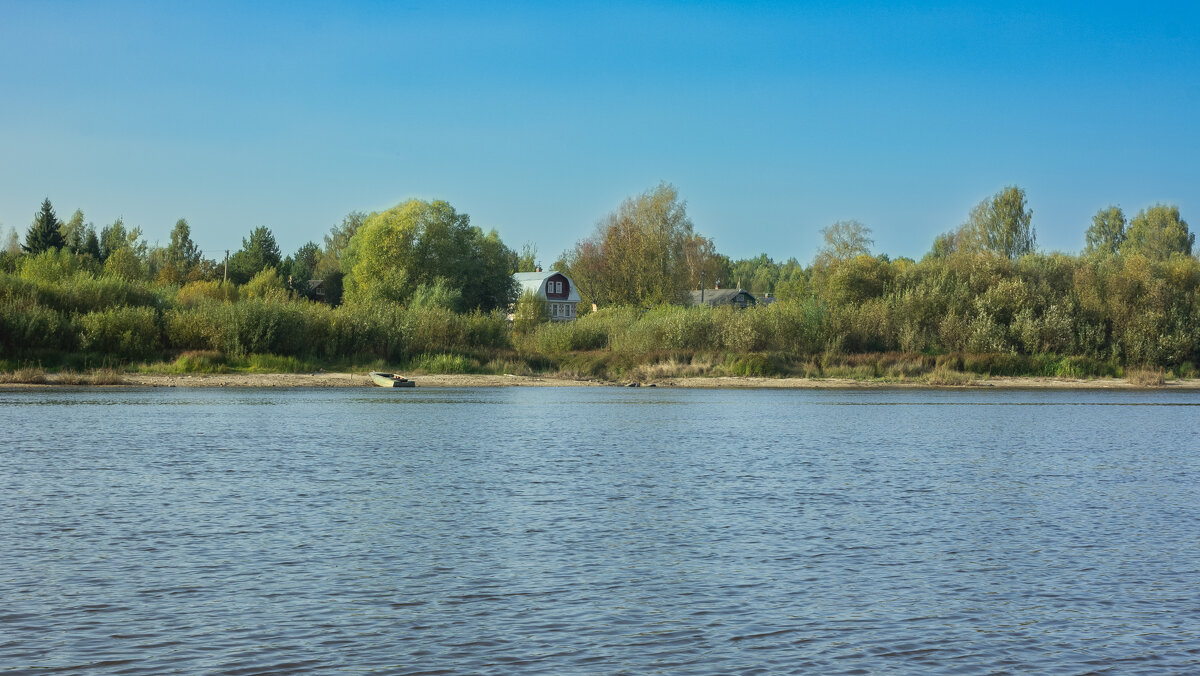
(739, 298)
(555, 288)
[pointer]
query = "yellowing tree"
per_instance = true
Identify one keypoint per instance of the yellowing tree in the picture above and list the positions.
(645, 253)
(1157, 233)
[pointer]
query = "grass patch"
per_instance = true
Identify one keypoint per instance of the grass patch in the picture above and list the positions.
(24, 375)
(513, 367)
(945, 377)
(100, 376)
(1146, 377)
(273, 363)
(675, 366)
(434, 364)
(198, 361)
(753, 365)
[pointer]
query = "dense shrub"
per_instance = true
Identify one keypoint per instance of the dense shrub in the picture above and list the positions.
(26, 326)
(129, 332)
(1044, 314)
(196, 292)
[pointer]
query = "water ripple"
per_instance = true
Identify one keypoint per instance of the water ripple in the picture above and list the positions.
(598, 531)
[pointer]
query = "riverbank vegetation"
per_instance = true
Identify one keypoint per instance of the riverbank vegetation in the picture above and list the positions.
(425, 291)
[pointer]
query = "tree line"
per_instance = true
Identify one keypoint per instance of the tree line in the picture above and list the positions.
(419, 276)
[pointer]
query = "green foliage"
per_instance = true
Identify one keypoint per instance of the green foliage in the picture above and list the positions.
(44, 234)
(301, 266)
(762, 276)
(331, 283)
(529, 313)
(125, 264)
(26, 326)
(198, 361)
(91, 244)
(1158, 233)
(128, 332)
(266, 284)
(182, 253)
(644, 254)
(445, 363)
(527, 259)
(273, 363)
(194, 293)
(1107, 233)
(755, 365)
(337, 242)
(1000, 225)
(439, 294)
(50, 265)
(419, 243)
(115, 237)
(74, 232)
(981, 304)
(259, 251)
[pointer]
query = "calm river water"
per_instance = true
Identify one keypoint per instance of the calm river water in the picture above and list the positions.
(599, 531)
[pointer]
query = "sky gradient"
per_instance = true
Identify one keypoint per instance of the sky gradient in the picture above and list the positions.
(772, 119)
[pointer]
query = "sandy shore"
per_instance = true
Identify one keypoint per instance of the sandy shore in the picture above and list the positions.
(323, 379)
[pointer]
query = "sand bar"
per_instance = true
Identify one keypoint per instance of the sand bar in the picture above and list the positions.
(324, 379)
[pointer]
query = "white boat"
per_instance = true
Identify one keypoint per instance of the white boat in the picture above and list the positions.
(391, 380)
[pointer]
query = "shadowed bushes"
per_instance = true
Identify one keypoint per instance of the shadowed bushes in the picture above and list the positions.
(126, 332)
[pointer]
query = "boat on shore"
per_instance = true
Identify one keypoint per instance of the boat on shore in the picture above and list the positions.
(390, 380)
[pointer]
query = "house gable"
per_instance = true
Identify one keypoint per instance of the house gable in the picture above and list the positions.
(557, 287)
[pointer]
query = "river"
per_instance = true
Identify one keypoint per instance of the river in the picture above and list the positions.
(598, 531)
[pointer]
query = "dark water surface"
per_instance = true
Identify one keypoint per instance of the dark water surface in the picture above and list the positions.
(607, 530)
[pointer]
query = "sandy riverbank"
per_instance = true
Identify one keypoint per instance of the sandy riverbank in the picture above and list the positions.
(323, 379)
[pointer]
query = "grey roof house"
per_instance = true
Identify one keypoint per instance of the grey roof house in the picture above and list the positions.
(554, 288)
(714, 297)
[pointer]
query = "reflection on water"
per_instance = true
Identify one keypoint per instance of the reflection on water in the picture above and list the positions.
(583, 530)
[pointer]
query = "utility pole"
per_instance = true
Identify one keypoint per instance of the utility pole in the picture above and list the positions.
(226, 273)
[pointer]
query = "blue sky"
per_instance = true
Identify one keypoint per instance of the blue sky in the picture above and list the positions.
(772, 119)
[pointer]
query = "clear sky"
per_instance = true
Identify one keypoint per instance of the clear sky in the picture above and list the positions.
(772, 119)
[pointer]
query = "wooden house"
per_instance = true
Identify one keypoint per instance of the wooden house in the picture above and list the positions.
(555, 289)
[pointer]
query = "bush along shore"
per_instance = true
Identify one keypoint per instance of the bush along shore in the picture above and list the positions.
(942, 321)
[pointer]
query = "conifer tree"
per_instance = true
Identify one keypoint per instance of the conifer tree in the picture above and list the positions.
(44, 233)
(91, 243)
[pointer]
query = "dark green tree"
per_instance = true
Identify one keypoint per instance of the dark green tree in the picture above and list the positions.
(331, 284)
(44, 234)
(304, 262)
(258, 252)
(182, 252)
(91, 243)
(301, 267)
